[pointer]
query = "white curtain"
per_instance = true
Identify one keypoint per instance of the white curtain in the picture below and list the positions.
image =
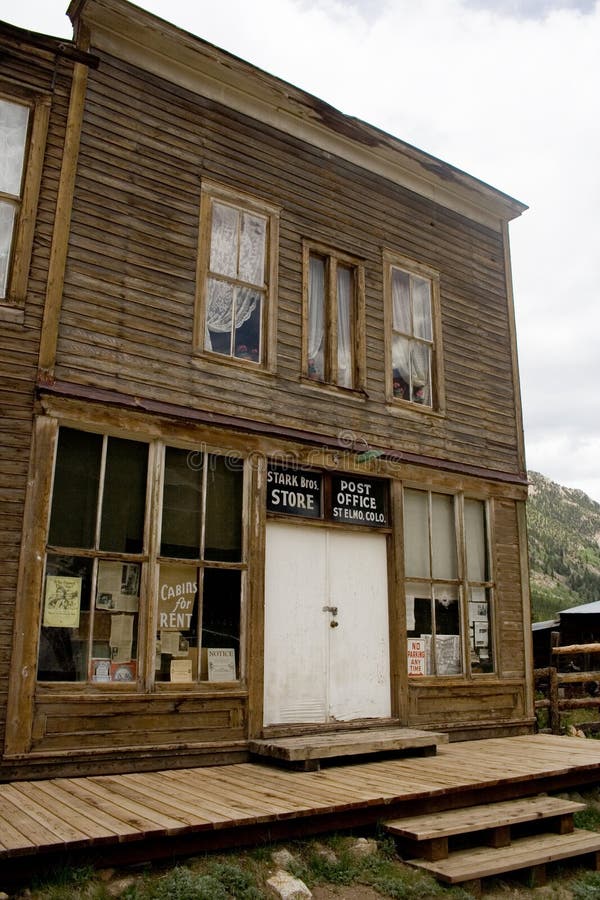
(344, 336)
(316, 317)
(13, 134)
(410, 358)
(237, 249)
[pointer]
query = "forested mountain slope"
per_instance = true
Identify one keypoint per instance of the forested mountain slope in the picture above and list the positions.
(564, 547)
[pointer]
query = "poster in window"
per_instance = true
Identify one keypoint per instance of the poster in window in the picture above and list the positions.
(221, 664)
(177, 593)
(121, 638)
(100, 670)
(481, 635)
(118, 586)
(62, 602)
(181, 670)
(417, 656)
(123, 672)
(447, 654)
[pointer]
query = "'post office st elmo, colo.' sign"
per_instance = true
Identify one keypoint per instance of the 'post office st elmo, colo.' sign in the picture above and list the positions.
(310, 494)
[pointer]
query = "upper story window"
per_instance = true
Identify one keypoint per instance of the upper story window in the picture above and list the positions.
(414, 357)
(334, 302)
(236, 276)
(23, 127)
(14, 126)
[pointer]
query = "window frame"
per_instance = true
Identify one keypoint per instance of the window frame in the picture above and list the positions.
(461, 583)
(211, 192)
(150, 559)
(334, 258)
(392, 260)
(12, 305)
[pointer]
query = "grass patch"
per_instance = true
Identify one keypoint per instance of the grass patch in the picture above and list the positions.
(587, 887)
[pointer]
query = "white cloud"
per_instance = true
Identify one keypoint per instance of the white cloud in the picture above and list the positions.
(503, 89)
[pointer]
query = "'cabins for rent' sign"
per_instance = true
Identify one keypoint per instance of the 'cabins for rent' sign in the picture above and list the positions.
(346, 499)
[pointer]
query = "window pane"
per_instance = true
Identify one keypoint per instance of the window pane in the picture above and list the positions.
(248, 305)
(176, 652)
(219, 316)
(224, 240)
(13, 138)
(221, 618)
(443, 537)
(115, 631)
(7, 223)
(401, 301)
(480, 628)
(447, 631)
(64, 636)
(416, 534)
(316, 318)
(252, 249)
(475, 533)
(345, 332)
(419, 629)
(75, 493)
(421, 295)
(124, 504)
(401, 367)
(223, 539)
(421, 373)
(182, 504)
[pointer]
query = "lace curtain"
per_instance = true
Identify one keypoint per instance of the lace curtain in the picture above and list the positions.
(237, 250)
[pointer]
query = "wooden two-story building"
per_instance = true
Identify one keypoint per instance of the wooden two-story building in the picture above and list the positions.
(262, 462)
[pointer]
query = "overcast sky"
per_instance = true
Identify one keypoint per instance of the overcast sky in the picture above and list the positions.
(507, 90)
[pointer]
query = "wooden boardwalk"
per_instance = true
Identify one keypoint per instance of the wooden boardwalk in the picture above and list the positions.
(118, 818)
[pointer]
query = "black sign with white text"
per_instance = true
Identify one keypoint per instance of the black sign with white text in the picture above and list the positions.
(294, 492)
(358, 501)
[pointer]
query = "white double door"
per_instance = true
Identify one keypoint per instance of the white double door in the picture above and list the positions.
(326, 625)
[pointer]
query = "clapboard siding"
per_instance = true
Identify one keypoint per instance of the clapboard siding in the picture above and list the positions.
(507, 572)
(40, 72)
(129, 293)
(475, 704)
(77, 723)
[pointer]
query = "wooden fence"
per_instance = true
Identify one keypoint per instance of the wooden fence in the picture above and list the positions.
(568, 690)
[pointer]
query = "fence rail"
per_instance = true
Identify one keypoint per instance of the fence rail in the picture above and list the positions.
(551, 682)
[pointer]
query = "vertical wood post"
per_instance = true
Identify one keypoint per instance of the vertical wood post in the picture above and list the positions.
(553, 697)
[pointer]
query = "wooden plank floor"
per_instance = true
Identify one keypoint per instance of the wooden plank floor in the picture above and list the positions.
(219, 806)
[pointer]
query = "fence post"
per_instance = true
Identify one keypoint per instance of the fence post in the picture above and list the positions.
(553, 697)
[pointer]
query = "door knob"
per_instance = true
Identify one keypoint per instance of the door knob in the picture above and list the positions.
(331, 609)
(333, 624)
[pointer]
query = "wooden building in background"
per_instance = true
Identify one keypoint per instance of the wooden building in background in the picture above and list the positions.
(263, 460)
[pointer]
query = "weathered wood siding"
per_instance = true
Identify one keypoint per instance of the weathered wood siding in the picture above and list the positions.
(130, 285)
(38, 71)
(77, 723)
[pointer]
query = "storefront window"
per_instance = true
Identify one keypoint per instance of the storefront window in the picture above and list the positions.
(434, 589)
(100, 559)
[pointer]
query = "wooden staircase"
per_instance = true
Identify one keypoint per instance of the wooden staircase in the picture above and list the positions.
(306, 751)
(463, 846)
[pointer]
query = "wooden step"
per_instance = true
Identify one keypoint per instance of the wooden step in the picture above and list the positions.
(309, 749)
(534, 851)
(431, 832)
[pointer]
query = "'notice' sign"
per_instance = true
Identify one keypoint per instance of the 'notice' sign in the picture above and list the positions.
(294, 492)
